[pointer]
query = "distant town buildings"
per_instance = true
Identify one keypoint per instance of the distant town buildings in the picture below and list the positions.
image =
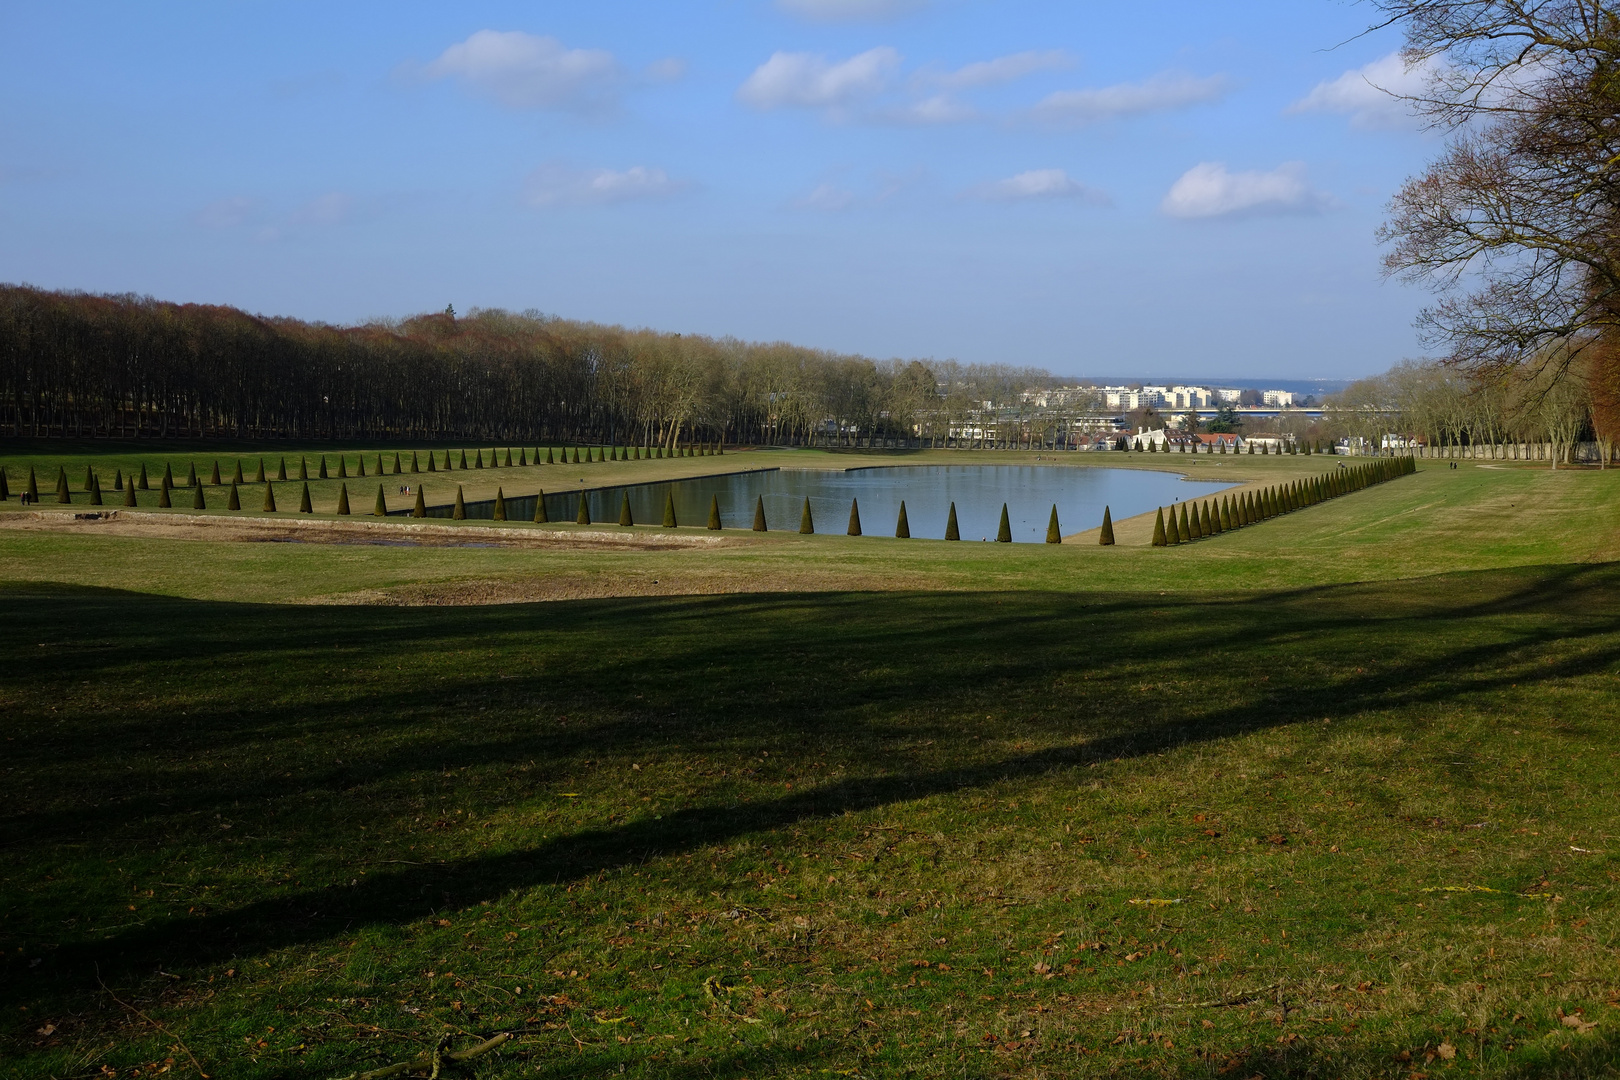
(1128, 398)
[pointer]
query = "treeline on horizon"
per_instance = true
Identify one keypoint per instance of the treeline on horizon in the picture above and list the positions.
(81, 365)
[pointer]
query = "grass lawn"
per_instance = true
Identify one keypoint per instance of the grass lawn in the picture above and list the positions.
(1331, 796)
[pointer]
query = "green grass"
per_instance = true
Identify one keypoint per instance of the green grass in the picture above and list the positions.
(811, 833)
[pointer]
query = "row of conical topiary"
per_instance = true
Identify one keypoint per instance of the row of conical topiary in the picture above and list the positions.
(1195, 521)
(323, 471)
(1150, 446)
(459, 510)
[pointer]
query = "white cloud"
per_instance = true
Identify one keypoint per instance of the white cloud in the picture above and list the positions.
(523, 71)
(828, 197)
(938, 109)
(559, 185)
(1371, 95)
(809, 81)
(1038, 184)
(1000, 70)
(1207, 190)
(1165, 91)
(850, 10)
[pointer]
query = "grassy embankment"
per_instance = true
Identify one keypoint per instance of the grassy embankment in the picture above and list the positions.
(872, 833)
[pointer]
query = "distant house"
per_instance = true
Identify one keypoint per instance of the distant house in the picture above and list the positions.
(1213, 443)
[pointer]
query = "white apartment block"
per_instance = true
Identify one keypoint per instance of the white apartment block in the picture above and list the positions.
(1189, 397)
(1229, 397)
(1120, 397)
(1281, 398)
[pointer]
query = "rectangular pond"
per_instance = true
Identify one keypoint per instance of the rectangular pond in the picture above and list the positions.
(1030, 491)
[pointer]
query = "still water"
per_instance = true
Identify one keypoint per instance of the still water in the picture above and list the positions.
(977, 490)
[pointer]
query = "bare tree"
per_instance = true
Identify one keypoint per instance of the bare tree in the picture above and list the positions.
(1515, 223)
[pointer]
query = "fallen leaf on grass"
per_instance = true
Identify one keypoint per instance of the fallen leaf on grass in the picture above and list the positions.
(1581, 1027)
(1158, 903)
(46, 1030)
(1446, 1051)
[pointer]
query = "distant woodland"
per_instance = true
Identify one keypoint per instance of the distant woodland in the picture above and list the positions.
(90, 366)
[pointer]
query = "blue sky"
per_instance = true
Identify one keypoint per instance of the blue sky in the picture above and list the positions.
(1166, 186)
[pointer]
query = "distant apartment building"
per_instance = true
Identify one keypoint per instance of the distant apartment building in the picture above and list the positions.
(1283, 399)
(1189, 397)
(1126, 398)
(1228, 397)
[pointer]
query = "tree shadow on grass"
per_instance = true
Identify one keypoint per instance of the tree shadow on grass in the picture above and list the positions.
(843, 671)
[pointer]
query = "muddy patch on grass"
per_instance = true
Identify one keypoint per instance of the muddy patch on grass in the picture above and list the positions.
(392, 533)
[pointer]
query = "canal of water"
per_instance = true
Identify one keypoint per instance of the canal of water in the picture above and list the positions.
(1030, 491)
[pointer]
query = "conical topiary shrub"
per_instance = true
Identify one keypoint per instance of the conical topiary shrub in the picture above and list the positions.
(584, 515)
(464, 459)
(1159, 538)
(626, 518)
(807, 524)
(191, 474)
(62, 493)
(549, 459)
(1106, 538)
(304, 505)
(168, 475)
(235, 501)
(343, 500)
(759, 514)
(669, 510)
(508, 456)
(236, 477)
(89, 478)
(33, 485)
(714, 512)
(118, 482)
(416, 466)
(1206, 521)
(323, 473)
(1004, 530)
(951, 531)
(459, 511)
(214, 479)
(281, 474)
(144, 484)
(1053, 534)
(540, 507)
(381, 509)
(420, 509)
(95, 490)
(129, 492)
(854, 517)
(197, 501)
(5, 486)
(902, 527)
(303, 468)
(399, 466)
(1183, 530)
(269, 498)
(500, 505)
(433, 465)
(523, 456)
(360, 467)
